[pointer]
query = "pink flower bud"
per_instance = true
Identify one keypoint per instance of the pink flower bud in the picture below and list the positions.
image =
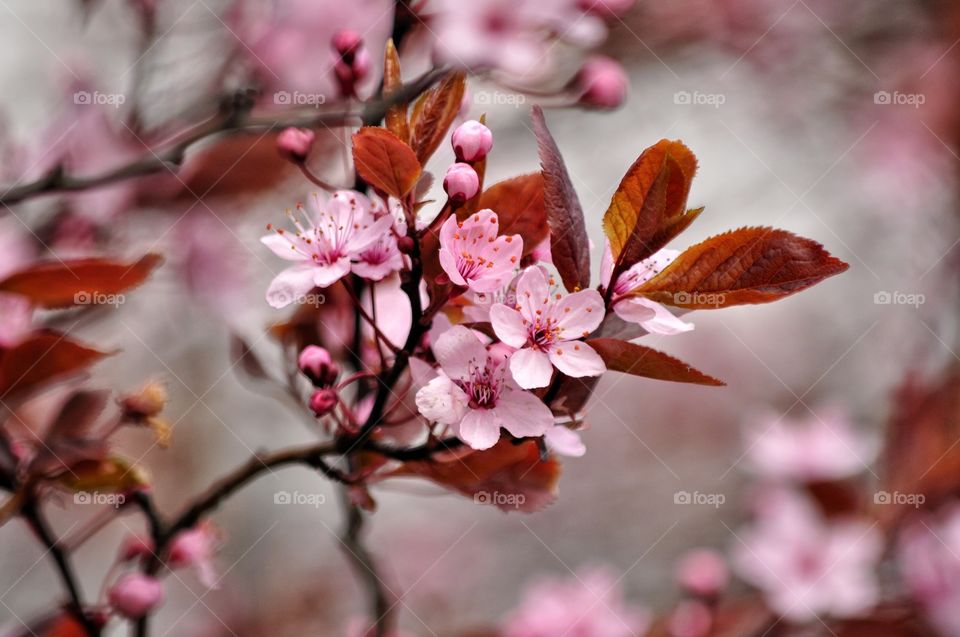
(461, 183)
(606, 8)
(135, 594)
(135, 547)
(295, 143)
(346, 42)
(471, 141)
(703, 572)
(317, 365)
(603, 83)
(323, 401)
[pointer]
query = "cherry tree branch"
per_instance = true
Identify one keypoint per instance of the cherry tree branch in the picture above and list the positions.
(365, 567)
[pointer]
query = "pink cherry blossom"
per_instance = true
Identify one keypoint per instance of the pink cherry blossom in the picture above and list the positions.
(823, 446)
(196, 548)
(135, 594)
(589, 604)
(325, 246)
(476, 395)
(648, 314)
(546, 330)
(807, 566)
(473, 254)
(927, 555)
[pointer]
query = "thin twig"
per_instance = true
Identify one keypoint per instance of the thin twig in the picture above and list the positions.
(365, 566)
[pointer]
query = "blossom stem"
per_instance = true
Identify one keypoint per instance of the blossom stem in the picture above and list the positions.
(365, 567)
(313, 178)
(366, 316)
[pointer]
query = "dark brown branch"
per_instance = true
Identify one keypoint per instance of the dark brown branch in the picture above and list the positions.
(366, 569)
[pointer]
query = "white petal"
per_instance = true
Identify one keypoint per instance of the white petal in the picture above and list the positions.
(632, 311)
(441, 400)
(457, 349)
(449, 264)
(480, 429)
(532, 292)
(531, 368)
(578, 314)
(564, 441)
(281, 246)
(523, 414)
(662, 322)
(508, 325)
(577, 359)
(290, 285)
(325, 275)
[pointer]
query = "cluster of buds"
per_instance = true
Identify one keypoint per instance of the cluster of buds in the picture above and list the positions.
(144, 407)
(354, 64)
(471, 142)
(316, 364)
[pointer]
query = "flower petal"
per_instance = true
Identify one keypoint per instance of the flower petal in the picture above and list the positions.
(325, 275)
(578, 314)
(577, 359)
(508, 325)
(532, 292)
(523, 414)
(480, 428)
(449, 264)
(290, 285)
(564, 441)
(286, 246)
(456, 349)
(662, 321)
(531, 368)
(441, 400)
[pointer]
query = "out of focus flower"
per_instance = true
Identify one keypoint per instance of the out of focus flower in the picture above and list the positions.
(602, 83)
(316, 364)
(135, 594)
(703, 572)
(824, 446)
(476, 395)
(196, 548)
(383, 258)
(295, 143)
(590, 604)
(473, 254)
(546, 331)
(807, 566)
(461, 183)
(564, 441)
(354, 64)
(322, 402)
(471, 141)
(323, 245)
(648, 314)
(135, 547)
(928, 553)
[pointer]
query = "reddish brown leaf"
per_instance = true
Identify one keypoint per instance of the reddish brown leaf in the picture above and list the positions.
(569, 244)
(649, 207)
(518, 203)
(57, 284)
(510, 476)
(749, 265)
(42, 358)
(385, 161)
(630, 358)
(433, 113)
(396, 118)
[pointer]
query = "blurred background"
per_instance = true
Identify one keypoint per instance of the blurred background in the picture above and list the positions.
(834, 120)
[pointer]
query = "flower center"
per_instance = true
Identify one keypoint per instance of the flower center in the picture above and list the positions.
(483, 386)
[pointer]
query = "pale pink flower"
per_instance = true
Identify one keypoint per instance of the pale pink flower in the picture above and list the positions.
(807, 566)
(475, 394)
(325, 245)
(545, 329)
(473, 255)
(603, 83)
(590, 604)
(823, 446)
(135, 594)
(648, 314)
(927, 553)
(196, 548)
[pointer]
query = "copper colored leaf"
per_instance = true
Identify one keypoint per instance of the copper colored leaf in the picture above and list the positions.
(630, 358)
(433, 113)
(42, 358)
(385, 161)
(569, 244)
(519, 205)
(749, 265)
(648, 208)
(510, 476)
(396, 118)
(57, 284)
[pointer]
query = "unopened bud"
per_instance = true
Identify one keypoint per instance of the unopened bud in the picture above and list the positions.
(461, 183)
(316, 364)
(135, 594)
(471, 141)
(295, 143)
(405, 245)
(602, 82)
(322, 402)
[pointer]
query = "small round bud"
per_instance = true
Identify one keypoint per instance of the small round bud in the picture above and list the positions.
(295, 143)
(471, 141)
(461, 183)
(135, 594)
(322, 402)
(603, 83)
(316, 364)
(346, 42)
(703, 572)
(405, 245)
